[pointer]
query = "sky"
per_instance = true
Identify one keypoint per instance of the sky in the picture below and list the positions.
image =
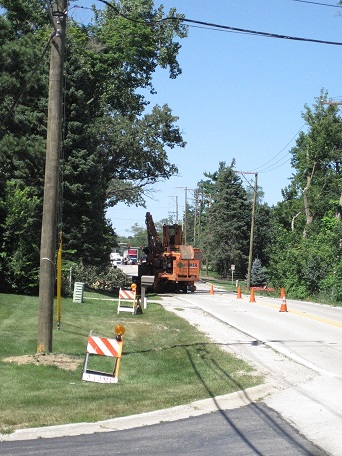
(241, 96)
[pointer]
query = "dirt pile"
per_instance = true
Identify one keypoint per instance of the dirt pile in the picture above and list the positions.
(61, 361)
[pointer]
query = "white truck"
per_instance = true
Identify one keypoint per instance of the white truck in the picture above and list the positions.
(131, 256)
(115, 259)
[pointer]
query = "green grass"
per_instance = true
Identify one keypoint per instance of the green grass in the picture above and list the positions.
(165, 362)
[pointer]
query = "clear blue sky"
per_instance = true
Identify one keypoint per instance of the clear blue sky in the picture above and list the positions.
(241, 96)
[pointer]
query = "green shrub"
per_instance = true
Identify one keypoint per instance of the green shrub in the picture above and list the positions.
(103, 279)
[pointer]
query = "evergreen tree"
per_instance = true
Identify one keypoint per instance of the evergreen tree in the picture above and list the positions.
(113, 150)
(227, 217)
(258, 274)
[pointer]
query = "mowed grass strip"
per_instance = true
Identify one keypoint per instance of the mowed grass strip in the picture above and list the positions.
(165, 362)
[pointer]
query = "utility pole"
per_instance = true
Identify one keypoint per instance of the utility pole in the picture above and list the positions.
(196, 192)
(185, 214)
(250, 256)
(175, 198)
(47, 276)
(185, 220)
(251, 238)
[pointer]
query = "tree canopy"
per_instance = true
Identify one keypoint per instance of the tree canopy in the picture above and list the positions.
(115, 144)
(227, 219)
(115, 147)
(306, 251)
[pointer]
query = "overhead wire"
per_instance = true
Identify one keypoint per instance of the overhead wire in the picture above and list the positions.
(272, 166)
(219, 27)
(258, 33)
(318, 3)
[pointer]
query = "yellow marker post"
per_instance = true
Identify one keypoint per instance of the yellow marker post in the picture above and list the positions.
(119, 331)
(59, 282)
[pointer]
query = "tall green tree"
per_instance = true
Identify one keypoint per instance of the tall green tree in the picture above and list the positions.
(307, 227)
(316, 159)
(227, 217)
(114, 143)
(24, 42)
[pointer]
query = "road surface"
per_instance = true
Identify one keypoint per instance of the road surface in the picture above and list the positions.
(309, 390)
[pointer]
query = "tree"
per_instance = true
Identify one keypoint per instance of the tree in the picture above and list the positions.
(306, 225)
(113, 150)
(226, 218)
(19, 257)
(22, 142)
(317, 159)
(113, 147)
(139, 238)
(263, 233)
(258, 274)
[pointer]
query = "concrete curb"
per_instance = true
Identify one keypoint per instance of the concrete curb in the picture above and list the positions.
(226, 402)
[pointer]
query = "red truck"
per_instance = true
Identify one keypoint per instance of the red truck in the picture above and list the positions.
(131, 256)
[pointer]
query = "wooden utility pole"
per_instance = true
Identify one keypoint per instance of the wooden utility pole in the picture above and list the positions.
(185, 219)
(250, 256)
(48, 243)
(251, 238)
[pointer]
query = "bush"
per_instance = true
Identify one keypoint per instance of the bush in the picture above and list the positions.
(103, 279)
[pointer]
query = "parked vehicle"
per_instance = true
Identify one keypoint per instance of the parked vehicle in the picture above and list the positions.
(131, 256)
(175, 266)
(115, 259)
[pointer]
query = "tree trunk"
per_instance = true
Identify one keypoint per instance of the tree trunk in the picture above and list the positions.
(339, 209)
(293, 220)
(308, 215)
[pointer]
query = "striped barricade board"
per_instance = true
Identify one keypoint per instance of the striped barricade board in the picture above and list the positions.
(127, 301)
(102, 346)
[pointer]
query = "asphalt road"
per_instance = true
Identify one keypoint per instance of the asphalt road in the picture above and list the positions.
(248, 431)
(310, 334)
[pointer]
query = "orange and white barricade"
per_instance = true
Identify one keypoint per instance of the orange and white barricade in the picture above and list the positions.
(102, 346)
(127, 300)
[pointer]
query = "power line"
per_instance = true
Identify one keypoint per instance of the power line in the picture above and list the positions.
(271, 167)
(219, 27)
(318, 3)
(258, 33)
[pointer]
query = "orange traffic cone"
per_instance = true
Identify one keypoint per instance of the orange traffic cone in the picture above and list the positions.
(212, 289)
(283, 307)
(282, 293)
(239, 293)
(252, 298)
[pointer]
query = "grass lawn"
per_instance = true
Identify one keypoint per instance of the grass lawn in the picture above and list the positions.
(165, 362)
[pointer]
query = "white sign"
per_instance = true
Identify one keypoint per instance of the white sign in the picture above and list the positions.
(232, 267)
